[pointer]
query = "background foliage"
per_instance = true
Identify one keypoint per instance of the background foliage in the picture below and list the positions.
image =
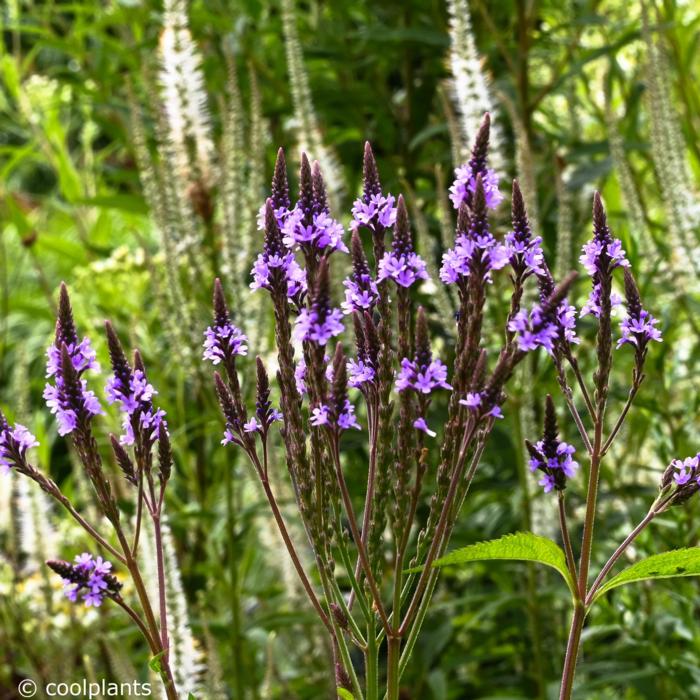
(588, 94)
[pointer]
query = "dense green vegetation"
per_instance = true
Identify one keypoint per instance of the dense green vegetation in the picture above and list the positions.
(587, 95)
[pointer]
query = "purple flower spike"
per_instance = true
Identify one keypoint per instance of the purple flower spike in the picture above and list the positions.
(601, 255)
(223, 340)
(550, 455)
(524, 251)
(535, 330)
(463, 190)
(90, 576)
(361, 292)
(402, 263)
(422, 378)
(319, 323)
(476, 251)
(14, 443)
(638, 327)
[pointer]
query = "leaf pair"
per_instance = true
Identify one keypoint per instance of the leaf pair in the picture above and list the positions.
(526, 546)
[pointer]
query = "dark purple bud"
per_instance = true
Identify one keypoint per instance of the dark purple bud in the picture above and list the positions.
(165, 453)
(360, 265)
(117, 357)
(423, 353)
(319, 189)
(551, 430)
(480, 149)
(123, 460)
(280, 185)
(463, 219)
(339, 616)
(370, 175)
(371, 339)
(360, 340)
(306, 188)
(226, 401)
(402, 243)
(221, 313)
(273, 245)
(65, 326)
(138, 362)
(340, 383)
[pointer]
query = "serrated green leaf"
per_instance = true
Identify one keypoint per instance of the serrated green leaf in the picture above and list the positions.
(520, 546)
(345, 694)
(677, 563)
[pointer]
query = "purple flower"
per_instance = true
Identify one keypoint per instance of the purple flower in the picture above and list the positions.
(90, 576)
(550, 455)
(420, 424)
(465, 185)
(686, 470)
(319, 322)
(601, 255)
(14, 443)
(322, 232)
(422, 378)
(535, 329)
(321, 415)
(402, 263)
(474, 402)
(639, 330)
(360, 372)
(476, 251)
(361, 292)
(318, 326)
(524, 250)
(68, 406)
(377, 212)
(564, 319)
(224, 341)
(82, 356)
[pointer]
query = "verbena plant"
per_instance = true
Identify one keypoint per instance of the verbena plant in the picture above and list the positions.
(364, 595)
(143, 454)
(374, 570)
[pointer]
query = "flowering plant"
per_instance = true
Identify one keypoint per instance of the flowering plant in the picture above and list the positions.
(396, 376)
(144, 436)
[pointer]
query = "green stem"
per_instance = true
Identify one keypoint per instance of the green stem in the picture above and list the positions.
(567, 680)
(371, 665)
(393, 674)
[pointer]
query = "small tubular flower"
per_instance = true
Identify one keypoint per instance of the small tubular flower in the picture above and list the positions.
(88, 577)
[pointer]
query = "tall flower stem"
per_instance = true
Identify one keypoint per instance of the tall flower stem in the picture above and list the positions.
(393, 667)
(570, 561)
(162, 593)
(567, 680)
(371, 664)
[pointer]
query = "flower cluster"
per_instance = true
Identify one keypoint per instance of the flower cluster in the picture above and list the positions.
(276, 265)
(222, 340)
(600, 256)
(638, 328)
(89, 576)
(551, 456)
(423, 377)
(476, 251)
(361, 292)
(265, 414)
(373, 210)
(681, 480)
(14, 442)
(362, 372)
(464, 187)
(68, 398)
(402, 264)
(319, 322)
(535, 329)
(524, 251)
(477, 401)
(337, 413)
(130, 388)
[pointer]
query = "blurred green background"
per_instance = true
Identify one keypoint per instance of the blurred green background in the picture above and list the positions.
(104, 186)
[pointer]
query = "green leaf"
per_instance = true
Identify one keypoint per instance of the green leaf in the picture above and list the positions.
(520, 546)
(344, 694)
(679, 562)
(154, 663)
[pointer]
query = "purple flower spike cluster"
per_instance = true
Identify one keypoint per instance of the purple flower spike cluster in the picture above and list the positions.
(464, 187)
(362, 372)
(129, 387)
(361, 292)
(639, 326)
(535, 329)
(68, 398)
(277, 263)
(88, 577)
(320, 322)
(265, 414)
(476, 251)
(423, 377)
(222, 340)
(601, 255)
(402, 264)
(14, 443)
(524, 251)
(373, 210)
(309, 226)
(337, 413)
(551, 456)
